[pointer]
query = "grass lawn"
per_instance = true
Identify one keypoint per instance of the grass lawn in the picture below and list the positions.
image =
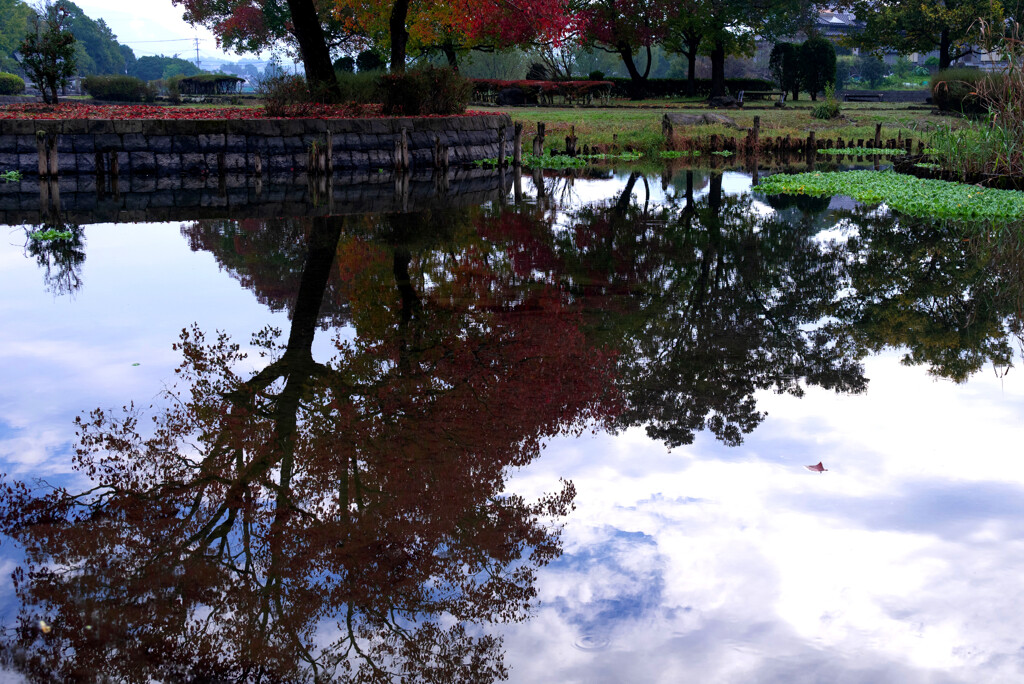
(639, 127)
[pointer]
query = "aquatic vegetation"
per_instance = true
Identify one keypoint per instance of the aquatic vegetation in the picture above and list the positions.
(10, 176)
(862, 151)
(622, 156)
(903, 193)
(722, 153)
(676, 154)
(51, 234)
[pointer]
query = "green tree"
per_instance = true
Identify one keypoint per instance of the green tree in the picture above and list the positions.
(817, 65)
(14, 17)
(784, 63)
(151, 68)
(949, 26)
(872, 70)
(97, 42)
(48, 51)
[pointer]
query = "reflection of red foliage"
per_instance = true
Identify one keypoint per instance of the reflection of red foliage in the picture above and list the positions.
(367, 493)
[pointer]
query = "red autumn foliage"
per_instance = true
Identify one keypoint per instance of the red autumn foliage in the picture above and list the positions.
(69, 111)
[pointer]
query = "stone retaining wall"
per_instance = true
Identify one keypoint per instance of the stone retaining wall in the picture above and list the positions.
(211, 147)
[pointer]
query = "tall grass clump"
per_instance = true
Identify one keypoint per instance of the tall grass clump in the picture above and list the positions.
(991, 145)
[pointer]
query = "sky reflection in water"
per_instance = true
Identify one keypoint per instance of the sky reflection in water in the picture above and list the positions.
(703, 562)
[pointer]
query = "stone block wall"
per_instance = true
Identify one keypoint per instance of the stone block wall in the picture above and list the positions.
(162, 147)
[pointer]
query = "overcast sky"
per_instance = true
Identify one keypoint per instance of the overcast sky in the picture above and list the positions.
(138, 24)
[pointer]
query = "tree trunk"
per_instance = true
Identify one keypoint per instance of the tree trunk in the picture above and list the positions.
(692, 44)
(636, 79)
(944, 49)
(451, 56)
(316, 58)
(399, 35)
(718, 69)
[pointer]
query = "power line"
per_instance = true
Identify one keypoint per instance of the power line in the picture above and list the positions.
(173, 40)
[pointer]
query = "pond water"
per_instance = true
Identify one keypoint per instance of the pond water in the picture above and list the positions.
(556, 433)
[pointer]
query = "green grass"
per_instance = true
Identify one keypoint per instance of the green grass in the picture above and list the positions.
(905, 194)
(639, 128)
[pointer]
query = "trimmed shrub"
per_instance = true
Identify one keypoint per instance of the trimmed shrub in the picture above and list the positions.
(210, 84)
(368, 60)
(11, 84)
(817, 65)
(345, 64)
(676, 87)
(425, 91)
(956, 90)
(118, 88)
(784, 63)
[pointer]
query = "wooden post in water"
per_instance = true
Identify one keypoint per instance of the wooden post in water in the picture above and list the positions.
(257, 165)
(570, 142)
(46, 145)
(44, 168)
(538, 140)
(517, 146)
(812, 149)
(329, 153)
(405, 149)
(501, 147)
(878, 136)
(755, 135)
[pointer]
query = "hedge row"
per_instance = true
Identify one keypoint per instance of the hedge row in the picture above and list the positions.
(676, 87)
(118, 88)
(571, 90)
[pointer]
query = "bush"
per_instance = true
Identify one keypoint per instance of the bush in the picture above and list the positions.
(956, 90)
(596, 76)
(11, 84)
(358, 88)
(280, 94)
(118, 88)
(425, 91)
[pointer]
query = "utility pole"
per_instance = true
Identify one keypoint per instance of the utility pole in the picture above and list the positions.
(197, 52)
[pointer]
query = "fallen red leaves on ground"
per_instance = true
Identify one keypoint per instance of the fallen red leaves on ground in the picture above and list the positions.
(74, 110)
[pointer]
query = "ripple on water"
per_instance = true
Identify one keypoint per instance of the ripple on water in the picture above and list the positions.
(591, 642)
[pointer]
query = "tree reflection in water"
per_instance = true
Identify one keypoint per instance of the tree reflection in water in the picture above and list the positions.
(347, 520)
(342, 520)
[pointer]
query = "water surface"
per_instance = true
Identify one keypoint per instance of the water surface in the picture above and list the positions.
(556, 433)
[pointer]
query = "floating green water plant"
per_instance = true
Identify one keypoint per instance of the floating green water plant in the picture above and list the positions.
(10, 176)
(903, 193)
(51, 234)
(862, 151)
(676, 154)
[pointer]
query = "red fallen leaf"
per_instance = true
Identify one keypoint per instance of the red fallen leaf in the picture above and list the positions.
(817, 468)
